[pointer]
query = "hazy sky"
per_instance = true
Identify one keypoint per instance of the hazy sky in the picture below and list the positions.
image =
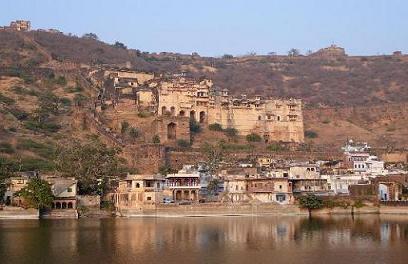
(216, 27)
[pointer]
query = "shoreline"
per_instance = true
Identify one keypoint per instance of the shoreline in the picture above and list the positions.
(200, 211)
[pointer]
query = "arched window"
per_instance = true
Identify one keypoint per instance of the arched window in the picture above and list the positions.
(137, 185)
(182, 113)
(70, 205)
(171, 131)
(173, 111)
(259, 117)
(278, 118)
(192, 115)
(164, 109)
(202, 117)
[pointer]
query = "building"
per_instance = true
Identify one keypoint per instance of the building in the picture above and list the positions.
(14, 185)
(265, 190)
(304, 171)
(184, 185)
(64, 191)
(274, 120)
(315, 186)
(339, 184)
(20, 25)
(332, 51)
(138, 190)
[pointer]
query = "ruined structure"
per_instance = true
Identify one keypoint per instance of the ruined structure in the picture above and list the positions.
(274, 120)
(20, 25)
(332, 51)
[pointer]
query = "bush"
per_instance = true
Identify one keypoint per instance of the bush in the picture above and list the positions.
(61, 81)
(253, 138)
(65, 101)
(156, 139)
(43, 150)
(124, 126)
(23, 91)
(311, 134)
(215, 127)
(276, 148)
(231, 132)
(133, 132)
(144, 114)
(6, 148)
(194, 126)
(183, 143)
(38, 127)
(6, 100)
(19, 114)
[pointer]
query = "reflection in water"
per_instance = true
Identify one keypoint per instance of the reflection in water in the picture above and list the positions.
(364, 239)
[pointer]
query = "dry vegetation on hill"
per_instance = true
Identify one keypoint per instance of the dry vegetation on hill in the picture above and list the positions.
(40, 66)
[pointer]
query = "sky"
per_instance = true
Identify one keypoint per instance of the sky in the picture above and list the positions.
(217, 27)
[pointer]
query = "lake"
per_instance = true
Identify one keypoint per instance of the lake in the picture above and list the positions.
(341, 239)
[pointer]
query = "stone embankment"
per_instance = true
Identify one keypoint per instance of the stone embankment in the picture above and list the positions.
(18, 213)
(228, 210)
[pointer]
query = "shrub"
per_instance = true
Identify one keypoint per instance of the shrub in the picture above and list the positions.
(144, 114)
(311, 134)
(156, 139)
(215, 127)
(61, 80)
(133, 132)
(183, 143)
(231, 132)
(124, 126)
(6, 100)
(65, 101)
(12, 129)
(253, 137)
(358, 204)
(43, 150)
(6, 148)
(19, 114)
(45, 127)
(194, 126)
(326, 121)
(276, 147)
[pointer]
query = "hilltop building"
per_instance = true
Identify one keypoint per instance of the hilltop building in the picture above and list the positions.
(332, 51)
(20, 25)
(274, 120)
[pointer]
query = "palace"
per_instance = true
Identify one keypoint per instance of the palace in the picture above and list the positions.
(274, 120)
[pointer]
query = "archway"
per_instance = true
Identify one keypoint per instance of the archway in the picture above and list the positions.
(182, 113)
(58, 205)
(171, 131)
(173, 111)
(202, 117)
(192, 115)
(64, 205)
(178, 195)
(70, 205)
(163, 110)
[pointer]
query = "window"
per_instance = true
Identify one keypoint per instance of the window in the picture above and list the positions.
(280, 187)
(149, 198)
(137, 185)
(259, 118)
(69, 189)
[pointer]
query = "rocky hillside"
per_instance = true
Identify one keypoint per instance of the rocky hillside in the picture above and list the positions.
(44, 75)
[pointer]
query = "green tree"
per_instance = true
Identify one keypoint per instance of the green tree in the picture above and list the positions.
(215, 127)
(214, 155)
(212, 186)
(194, 126)
(293, 52)
(124, 126)
(156, 139)
(37, 194)
(231, 132)
(310, 202)
(90, 164)
(90, 36)
(253, 137)
(119, 45)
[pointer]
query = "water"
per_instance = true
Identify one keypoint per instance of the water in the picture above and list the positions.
(364, 239)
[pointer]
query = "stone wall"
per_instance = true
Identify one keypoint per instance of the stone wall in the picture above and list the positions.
(176, 160)
(89, 200)
(172, 128)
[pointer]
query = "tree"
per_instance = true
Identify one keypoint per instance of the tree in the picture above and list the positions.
(90, 36)
(37, 194)
(231, 132)
(310, 202)
(134, 133)
(253, 137)
(156, 139)
(214, 155)
(212, 186)
(124, 126)
(90, 164)
(215, 127)
(293, 52)
(194, 126)
(119, 45)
